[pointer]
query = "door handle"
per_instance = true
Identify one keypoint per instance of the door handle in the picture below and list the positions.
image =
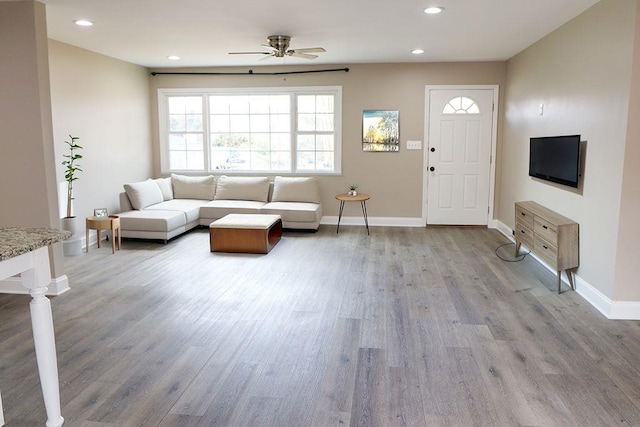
(432, 168)
(433, 149)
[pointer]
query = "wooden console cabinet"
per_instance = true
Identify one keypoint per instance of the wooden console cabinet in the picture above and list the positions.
(551, 236)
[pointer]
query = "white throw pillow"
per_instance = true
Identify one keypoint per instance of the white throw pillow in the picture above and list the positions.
(296, 189)
(143, 194)
(164, 184)
(242, 188)
(193, 187)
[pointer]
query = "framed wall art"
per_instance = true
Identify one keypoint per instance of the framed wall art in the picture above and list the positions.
(380, 130)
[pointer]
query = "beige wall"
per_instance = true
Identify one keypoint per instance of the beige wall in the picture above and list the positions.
(394, 180)
(627, 266)
(104, 102)
(27, 171)
(582, 74)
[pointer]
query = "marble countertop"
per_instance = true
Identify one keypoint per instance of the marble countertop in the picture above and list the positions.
(16, 241)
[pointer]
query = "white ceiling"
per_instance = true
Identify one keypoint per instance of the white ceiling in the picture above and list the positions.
(202, 32)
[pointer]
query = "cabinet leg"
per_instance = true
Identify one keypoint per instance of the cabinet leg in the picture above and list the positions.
(559, 282)
(570, 277)
(517, 249)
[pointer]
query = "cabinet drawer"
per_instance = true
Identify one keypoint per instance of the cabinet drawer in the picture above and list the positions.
(546, 230)
(546, 251)
(524, 216)
(524, 234)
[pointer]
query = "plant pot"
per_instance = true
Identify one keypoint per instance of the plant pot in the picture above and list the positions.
(69, 224)
(353, 193)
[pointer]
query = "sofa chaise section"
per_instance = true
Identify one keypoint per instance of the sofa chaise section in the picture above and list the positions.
(172, 210)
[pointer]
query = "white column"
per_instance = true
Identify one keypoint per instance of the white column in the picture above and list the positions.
(36, 280)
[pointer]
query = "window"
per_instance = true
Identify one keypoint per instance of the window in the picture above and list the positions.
(280, 130)
(461, 105)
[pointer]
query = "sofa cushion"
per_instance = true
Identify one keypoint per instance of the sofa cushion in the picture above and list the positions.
(296, 189)
(190, 207)
(242, 188)
(294, 211)
(193, 187)
(143, 194)
(164, 184)
(219, 208)
(152, 220)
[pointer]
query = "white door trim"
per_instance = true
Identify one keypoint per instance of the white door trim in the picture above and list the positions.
(494, 140)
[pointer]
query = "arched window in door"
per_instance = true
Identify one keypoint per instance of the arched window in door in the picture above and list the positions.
(461, 105)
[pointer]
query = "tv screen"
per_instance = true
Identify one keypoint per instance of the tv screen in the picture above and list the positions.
(555, 159)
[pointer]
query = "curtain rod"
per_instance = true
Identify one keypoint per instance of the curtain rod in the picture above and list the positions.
(249, 73)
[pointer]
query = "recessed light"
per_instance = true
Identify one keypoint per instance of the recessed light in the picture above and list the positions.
(434, 10)
(83, 23)
(417, 51)
(173, 57)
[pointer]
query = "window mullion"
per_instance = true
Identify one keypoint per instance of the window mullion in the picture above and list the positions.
(294, 133)
(207, 134)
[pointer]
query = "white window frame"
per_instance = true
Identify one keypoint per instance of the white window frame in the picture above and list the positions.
(163, 126)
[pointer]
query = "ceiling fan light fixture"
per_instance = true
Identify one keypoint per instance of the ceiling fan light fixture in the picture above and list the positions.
(433, 10)
(417, 51)
(83, 22)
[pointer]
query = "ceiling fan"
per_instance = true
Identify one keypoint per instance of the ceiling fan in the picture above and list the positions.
(279, 48)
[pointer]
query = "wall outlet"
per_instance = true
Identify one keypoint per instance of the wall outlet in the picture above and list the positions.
(414, 145)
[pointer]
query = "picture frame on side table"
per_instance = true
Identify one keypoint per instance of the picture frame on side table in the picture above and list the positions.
(100, 213)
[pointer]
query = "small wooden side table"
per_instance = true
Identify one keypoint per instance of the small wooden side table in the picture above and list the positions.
(362, 198)
(111, 222)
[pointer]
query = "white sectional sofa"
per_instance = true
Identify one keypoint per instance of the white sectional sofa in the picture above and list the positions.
(167, 207)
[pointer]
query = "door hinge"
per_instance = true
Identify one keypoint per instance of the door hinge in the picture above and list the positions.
(491, 159)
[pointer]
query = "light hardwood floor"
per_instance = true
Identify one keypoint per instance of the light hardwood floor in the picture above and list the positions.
(408, 326)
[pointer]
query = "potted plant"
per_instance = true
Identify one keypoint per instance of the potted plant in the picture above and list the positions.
(70, 175)
(352, 190)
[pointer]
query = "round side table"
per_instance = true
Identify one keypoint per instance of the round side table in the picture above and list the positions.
(360, 197)
(111, 222)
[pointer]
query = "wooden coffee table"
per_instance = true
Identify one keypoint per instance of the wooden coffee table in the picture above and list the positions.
(245, 233)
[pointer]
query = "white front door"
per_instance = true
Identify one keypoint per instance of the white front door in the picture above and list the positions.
(459, 157)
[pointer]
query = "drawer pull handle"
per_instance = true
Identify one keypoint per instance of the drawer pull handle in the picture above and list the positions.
(523, 214)
(522, 231)
(545, 247)
(545, 227)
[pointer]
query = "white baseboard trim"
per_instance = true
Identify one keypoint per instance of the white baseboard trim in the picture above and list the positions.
(374, 221)
(13, 285)
(614, 310)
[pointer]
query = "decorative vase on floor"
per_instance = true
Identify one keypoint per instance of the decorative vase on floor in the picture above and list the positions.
(72, 245)
(69, 224)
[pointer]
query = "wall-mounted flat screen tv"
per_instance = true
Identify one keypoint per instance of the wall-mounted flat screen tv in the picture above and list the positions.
(555, 159)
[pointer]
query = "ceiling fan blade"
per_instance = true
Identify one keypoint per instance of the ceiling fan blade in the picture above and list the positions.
(309, 50)
(249, 53)
(269, 47)
(301, 55)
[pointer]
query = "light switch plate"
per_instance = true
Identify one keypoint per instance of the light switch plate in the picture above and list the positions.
(414, 145)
